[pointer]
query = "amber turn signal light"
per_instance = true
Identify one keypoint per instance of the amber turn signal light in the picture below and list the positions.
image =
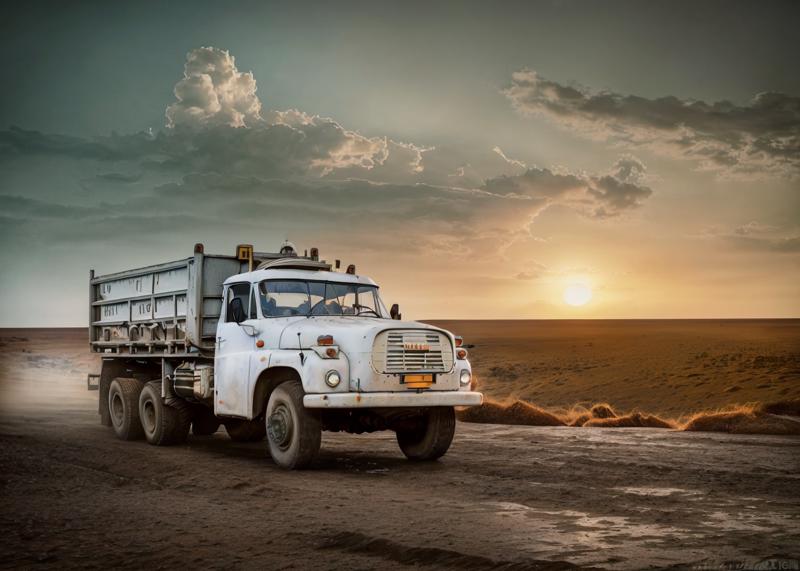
(259, 343)
(330, 352)
(461, 353)
(325, 340)
(459, 340)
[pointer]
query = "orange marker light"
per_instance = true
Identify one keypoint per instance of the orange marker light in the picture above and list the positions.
(459, 340)
(330, 352)
(259, 343)
(325, 340)
(461, 353)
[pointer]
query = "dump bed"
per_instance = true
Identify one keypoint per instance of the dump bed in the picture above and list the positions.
(170, 308)
(167, 308)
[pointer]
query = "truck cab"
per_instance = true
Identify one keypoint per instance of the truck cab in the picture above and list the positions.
(300, 348)
(358, 368)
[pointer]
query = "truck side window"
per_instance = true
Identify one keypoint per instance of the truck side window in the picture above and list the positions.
(242, 291)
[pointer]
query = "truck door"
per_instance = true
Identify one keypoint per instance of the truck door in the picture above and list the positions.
(234, 348)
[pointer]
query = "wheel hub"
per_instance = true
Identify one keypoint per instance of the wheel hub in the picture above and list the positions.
(117, 409)
(149, 418)
(279, 427)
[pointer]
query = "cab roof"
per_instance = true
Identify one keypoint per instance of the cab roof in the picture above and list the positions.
(296, 274)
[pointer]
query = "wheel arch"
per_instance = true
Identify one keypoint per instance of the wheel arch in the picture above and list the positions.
(266, 383)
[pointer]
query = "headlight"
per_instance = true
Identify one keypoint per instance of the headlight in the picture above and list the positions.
(332, 379)
(465, 377)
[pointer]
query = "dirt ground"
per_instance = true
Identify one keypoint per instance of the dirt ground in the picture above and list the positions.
(502, 498)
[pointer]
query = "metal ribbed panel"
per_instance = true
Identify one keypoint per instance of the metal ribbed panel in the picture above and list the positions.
(405, 351)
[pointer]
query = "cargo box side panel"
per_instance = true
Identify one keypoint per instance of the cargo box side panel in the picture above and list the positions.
(141, 311)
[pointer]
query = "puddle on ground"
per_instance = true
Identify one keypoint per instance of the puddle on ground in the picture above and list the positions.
(657, 492)
(591, 532)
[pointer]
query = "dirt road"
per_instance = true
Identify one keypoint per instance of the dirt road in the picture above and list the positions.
(503, 497)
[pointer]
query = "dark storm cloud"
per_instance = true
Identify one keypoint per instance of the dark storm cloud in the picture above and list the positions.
(762, 137)
(600, 196)
(20, 142)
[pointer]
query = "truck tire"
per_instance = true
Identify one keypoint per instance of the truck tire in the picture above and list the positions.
(431, 439)
(164, 423)
(123, 408)
(204, 421)
(246, 430)
(294, 433)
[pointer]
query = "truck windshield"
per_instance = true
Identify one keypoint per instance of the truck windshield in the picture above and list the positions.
(286, 298)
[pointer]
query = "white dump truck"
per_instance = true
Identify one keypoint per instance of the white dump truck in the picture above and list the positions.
(274, 345)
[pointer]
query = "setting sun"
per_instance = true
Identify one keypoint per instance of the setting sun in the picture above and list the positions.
(577, 295)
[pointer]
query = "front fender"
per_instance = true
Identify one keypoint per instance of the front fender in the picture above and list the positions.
(311, 368)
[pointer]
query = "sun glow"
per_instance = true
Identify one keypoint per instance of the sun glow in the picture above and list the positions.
(577, 295)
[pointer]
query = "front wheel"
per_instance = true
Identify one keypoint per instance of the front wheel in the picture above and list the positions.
(294, 433)
(431, 437)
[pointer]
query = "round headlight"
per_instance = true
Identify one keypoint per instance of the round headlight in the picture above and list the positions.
(332, 379)
(465, 377)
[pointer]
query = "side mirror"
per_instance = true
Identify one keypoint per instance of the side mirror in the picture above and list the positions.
(236, 310)
(395, 312)
(250, 330)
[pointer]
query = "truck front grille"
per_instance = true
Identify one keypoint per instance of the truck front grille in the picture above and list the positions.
(410, 350)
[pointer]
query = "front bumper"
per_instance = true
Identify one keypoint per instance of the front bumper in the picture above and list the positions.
(396, 399)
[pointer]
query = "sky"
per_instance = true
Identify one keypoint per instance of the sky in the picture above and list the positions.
(478, 160)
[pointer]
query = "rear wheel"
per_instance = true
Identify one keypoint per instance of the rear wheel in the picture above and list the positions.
(164, 423)
(294, 433)
(432, 436)
(123, 408)
(246, 430)
(204, 421)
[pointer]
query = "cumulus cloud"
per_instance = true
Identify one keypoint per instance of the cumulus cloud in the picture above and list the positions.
(214, 92)
(600, 196)
(337, 147)
(760, 138)
(225, 158)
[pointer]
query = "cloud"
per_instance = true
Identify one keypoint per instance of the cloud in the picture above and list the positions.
(499, 152)
(757, 237)
(214, 92)
(600, 196)
(23, 208)
(328, 146)
(754, 227)
(119, 177)
(532, 271)
(760, 138)
(225, 161)
(16, 142)
(783, 245)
